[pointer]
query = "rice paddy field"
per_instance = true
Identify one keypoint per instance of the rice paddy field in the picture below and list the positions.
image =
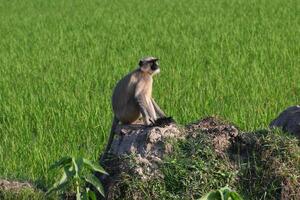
(59, 61)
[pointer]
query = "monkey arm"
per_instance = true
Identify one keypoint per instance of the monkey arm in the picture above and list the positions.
(157, 109)
(142, 102)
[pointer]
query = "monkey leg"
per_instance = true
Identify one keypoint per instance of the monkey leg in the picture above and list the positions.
(157, 109)
(111, 137)
(151, 110)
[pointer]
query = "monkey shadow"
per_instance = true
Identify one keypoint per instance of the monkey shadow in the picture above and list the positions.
(163, 121)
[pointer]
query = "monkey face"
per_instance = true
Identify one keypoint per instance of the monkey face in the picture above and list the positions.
(155, 68)
(149, 65)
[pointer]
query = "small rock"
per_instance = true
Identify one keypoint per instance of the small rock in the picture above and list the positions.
(288, 120)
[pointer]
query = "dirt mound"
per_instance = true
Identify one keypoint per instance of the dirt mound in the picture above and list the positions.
(273, 165)
(14, 185)
(221, 133)
(174, 162)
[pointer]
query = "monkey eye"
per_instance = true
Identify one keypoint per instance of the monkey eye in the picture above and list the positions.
(153, 66)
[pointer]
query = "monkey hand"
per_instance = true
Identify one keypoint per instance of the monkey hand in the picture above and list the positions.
(152, 121)
(149, 122)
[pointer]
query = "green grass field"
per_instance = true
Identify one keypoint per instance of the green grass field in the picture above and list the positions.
(59, 61)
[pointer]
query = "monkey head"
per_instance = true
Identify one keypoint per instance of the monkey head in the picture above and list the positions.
(149, 65)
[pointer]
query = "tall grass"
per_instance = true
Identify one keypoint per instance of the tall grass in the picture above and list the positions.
(59, 61)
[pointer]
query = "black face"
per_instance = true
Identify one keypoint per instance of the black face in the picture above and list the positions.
(154, 66)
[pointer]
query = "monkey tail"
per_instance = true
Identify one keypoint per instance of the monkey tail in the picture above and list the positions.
(111, 137)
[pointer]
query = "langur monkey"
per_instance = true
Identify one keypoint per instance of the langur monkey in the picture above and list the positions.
(132, 97)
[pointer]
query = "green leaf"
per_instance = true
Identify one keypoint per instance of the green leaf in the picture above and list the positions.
(235, 196)
(92, 195)
(224, 193)
(79, 163)
(85, 196)
(89, 195)
(70, 172)
(76, 167)
(94, 166)
(60, 184)
(95, 182)
(65, 161)
(78, 195)
(212, 195)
